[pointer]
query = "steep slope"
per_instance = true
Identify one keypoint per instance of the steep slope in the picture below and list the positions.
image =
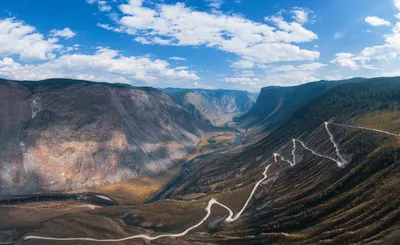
(214, 104)
(305, 196)
(277, 104)
(62, 135)
(316, 201)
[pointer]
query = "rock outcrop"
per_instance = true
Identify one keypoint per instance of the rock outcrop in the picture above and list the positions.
(63, 135)
(213, 104)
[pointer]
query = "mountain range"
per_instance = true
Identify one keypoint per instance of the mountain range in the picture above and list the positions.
(318, 163)
(213, 104)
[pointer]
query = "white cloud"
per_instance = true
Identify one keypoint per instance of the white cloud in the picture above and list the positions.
(105, 65)
(293, 75)
(345, 60)
(391, 73)
(181, 68)
(376, 21)
(242, 80)
(75, 47)
(18, 38)
(338, 35)
(108, 27)
(196, 84)
(397, 4)
(255, 43)
(247, 73)
(301, 15)
(336, 78)
(102, 5)
(65, 33)
(370, 57)
(243, 64)
(216, 4)
(305, 67)
(176, 58)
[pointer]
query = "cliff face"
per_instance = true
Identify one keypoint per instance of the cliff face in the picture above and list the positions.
(213, 104)
(62, 135)
(277, 104)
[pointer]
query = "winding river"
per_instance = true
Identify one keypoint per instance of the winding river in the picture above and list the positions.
(100, 199)
(185, 170)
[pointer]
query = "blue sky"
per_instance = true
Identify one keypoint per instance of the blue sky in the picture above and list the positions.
(232, 44)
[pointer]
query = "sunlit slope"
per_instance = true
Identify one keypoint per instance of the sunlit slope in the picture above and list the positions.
(212, 104)
(63, 135)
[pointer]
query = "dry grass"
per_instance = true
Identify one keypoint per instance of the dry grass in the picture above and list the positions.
(221, 140)
(27, 215)
(226, 119)
(142, 188)
(138, 190)
(383, 120)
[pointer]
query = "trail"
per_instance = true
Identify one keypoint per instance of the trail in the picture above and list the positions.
(90, 206)
(231, 217)
(365, 128)
(334, 143)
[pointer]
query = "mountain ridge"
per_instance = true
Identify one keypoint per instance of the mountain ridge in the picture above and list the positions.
(80, 126)
(276, 104)
(212, 104)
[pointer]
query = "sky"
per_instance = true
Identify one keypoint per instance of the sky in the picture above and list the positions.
(229, 44)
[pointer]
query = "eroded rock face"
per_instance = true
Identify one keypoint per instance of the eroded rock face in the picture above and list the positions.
(63, 135)
(213, 104)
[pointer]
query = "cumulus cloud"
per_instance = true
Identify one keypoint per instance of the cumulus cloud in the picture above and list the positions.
(65, 33)
(397, 4)
(345, 60)
(376, 21)
(385, 52)
(293, 75)
(18, 38)
(301, 15)
(255, 43)
(369, 57)
(106, 65)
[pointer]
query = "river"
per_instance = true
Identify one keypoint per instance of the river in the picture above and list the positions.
(104, 200)
(185, 170)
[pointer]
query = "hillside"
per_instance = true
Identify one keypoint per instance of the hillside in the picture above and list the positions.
(213, 104)
(277, 104)
(324, 176)
(64, 135)
(317, 201)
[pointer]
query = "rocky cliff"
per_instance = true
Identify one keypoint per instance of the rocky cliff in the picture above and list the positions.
(213, 104)
(277, 104)
(63, 135)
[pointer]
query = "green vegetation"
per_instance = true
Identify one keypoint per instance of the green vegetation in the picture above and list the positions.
(314, 202)
(277, 104)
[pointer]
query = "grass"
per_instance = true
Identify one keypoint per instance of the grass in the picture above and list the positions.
(388, 120)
